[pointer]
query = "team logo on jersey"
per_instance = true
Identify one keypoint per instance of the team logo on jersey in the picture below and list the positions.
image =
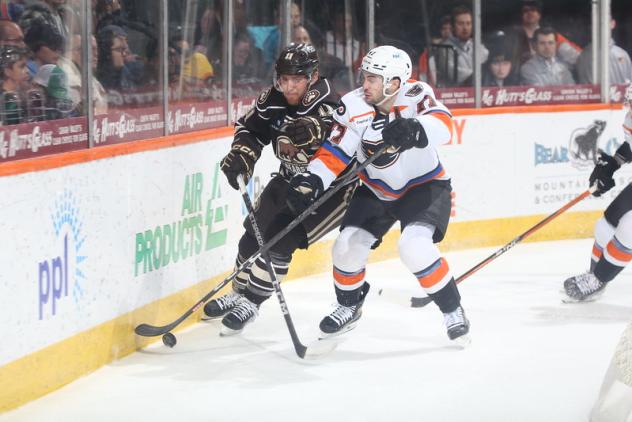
(264, 96)
(310, 97)
(293, 158)
(414, 91)
(342, 109)
(387, 159)
(583, 145)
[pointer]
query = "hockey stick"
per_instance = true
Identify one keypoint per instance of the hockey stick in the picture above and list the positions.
(148, 330)
(420, 302)
(301, 350)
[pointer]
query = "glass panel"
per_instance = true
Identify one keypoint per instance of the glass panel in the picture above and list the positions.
(542, 54)
(256, 42)
(197, 98)
(620, 50)
(127, 35)
(41, 105)
(337, 30)
(442, 53)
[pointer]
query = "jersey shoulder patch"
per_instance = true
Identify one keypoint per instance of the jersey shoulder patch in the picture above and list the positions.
(320, 92)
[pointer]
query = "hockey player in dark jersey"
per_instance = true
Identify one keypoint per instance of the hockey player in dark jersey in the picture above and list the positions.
(612, 249)
(408, 183)
(294, 116)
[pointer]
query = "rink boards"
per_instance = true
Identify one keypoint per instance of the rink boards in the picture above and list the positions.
(102, 240)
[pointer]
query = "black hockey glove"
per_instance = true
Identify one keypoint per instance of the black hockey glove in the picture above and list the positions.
(602, 173)
(304, 131)
(405, 134)
(304, 189)
(240, 160)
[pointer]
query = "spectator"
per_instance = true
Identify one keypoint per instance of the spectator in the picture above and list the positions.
(330, 66)
(499, 70)
(336, 41)
(272, 43)
(197, 72)
(14, 78)
(71, 65)
(11, 10)
(208, 34)
(427, 73)
(246, 62)
(112, 69)
(46, 44)
(531, 14)
(462, 42)
(46, 12)
(544, 68)
(54, 83)
(620, 70)
(11, 34)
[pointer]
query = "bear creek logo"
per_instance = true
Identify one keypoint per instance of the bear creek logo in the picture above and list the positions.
(583, 144)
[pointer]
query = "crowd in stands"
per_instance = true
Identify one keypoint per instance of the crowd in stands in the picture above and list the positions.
(41, 50)
(524, 54)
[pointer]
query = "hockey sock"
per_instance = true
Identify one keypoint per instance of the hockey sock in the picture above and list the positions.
(603, 234)
(448, 298)
(260, 286)
(615, 257)
(352, 297)
(241, 279)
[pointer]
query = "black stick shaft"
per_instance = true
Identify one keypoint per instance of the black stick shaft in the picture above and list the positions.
(148, 330)
(298, 346)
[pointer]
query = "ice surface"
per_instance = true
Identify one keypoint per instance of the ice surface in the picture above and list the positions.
(532, 358)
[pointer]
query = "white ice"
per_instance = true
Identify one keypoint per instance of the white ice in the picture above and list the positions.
(532, 358)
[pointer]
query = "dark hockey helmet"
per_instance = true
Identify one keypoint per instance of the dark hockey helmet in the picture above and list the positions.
(297, 59)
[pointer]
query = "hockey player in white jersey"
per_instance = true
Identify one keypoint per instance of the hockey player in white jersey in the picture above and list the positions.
(612, 249)
(407, 184)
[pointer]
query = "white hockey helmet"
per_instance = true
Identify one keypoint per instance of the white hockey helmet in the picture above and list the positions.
(388, 62)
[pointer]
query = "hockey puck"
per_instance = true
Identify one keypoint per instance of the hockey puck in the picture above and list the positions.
(379, 292)
(169, 340)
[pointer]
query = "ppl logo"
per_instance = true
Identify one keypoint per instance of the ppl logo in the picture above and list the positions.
(63, 269)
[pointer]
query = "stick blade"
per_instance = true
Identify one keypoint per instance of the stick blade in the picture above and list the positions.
(319, 348)
(419, 302)
(147, 330)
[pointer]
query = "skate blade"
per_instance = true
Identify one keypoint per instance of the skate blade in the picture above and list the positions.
(324, 336)
(227, 332)
(593, 298)
(208, 318)
(463, 341)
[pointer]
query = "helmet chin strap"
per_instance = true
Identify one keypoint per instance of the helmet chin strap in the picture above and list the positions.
(387, 96)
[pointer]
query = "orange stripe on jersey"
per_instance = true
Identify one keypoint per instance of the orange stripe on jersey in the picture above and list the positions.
(348, 280)
(333, 163)
(436, 276)
(398, 109)
(617, 253)
(368, 113)
(447, 121)
(596, 251)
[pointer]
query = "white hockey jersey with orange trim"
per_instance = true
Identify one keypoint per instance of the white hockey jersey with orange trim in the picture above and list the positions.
(357, 131)
(627, 127)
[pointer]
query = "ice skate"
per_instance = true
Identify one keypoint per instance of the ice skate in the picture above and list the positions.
(457, 326)
(242, 314)
(583, 288)
(219, 307)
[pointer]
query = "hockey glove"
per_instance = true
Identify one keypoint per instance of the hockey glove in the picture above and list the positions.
(304, 189)
(304, 131)
(405, 134)
(601, 176)
(240, 160)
